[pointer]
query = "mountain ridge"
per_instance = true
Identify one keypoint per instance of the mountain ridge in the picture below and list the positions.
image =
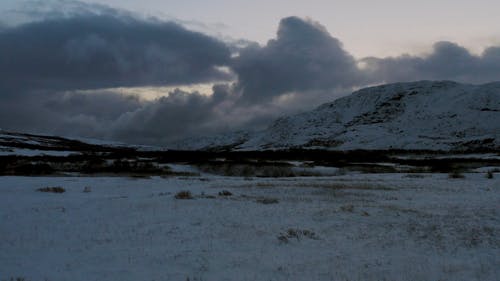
(422, 115)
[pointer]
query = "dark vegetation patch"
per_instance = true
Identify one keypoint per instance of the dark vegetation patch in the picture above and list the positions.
(98, 159)
(248, 169)
(456, 175)
(267, 201)
(296, 234)
(183, 195)
(225, 193)
(90, 164)
(16, 279)
(274, 163)
(54, 189)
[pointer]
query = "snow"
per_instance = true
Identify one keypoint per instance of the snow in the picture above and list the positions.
(429, 115)
(367, 227)
(9, 140)
(229, 139)
(485, 156)
(116, 144)
(34, 152)
(18, 138)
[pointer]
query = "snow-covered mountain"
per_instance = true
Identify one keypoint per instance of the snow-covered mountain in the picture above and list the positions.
(430, 115)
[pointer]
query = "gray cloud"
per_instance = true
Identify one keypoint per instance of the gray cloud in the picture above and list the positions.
(447, 61)
(114, 116)
(92, 51)
(64, 49)
(102, 105)
(180, 112)
(303, 57)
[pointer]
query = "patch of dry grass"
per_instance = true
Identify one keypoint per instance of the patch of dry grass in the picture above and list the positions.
(183, 195)
(54, 189)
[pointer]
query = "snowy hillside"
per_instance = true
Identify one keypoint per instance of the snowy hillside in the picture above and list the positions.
(21, 144)
(419, 115)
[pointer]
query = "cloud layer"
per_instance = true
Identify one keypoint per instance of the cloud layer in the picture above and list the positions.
(447, 61)
(92, 51)
(57, 75)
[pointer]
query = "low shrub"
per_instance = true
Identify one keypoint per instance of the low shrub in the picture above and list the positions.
(17, 279)
(267, 201)
(297, 234)
(55, 189)
(225, 193)
(183, 195)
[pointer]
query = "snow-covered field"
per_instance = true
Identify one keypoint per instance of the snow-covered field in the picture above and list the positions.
(348, 227)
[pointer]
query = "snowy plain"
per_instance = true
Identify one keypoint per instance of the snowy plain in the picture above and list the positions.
(347, 227)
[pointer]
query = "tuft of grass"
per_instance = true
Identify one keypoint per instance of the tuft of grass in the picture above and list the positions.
(225, 193)
(298, 234)
(183, 195)
(55, 189)
(267, 201)
(347, 208)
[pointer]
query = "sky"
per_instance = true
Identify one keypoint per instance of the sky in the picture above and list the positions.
(367, 28)
(156, 71)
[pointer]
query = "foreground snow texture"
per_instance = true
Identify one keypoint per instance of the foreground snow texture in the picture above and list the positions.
(366, 227)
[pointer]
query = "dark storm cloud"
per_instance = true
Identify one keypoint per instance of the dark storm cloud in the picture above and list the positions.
(303, 57)
(447, 61)
(45, 63)
(179, 112)
(102, 105)
(110, 115)
(91, 51)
